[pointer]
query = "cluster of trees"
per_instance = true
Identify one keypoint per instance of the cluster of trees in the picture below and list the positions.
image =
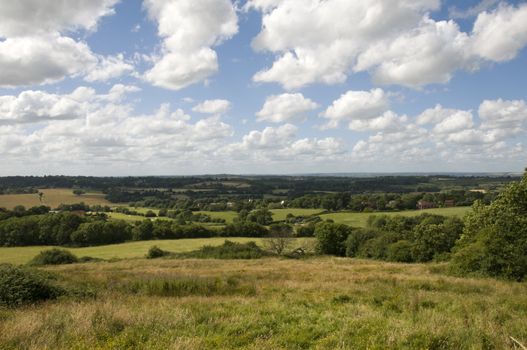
(70, 229)
(491, 240)
(494, 240)
(402, 239)
(387, 201)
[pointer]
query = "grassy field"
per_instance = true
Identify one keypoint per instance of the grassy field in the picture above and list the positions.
(319, 303)
(280, 214)
(52, 198)
(228, 216)
(21, 255)
(360, 219)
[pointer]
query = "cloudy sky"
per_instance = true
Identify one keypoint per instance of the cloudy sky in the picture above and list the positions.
(170, 87)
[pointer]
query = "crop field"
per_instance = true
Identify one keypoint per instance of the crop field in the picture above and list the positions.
(52, 198)
(270, 303)
(361, 219)
(21, 255)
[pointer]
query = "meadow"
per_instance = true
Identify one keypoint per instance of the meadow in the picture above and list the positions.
(361, 219)
(52, 198)
(270, 303)
(21, 255)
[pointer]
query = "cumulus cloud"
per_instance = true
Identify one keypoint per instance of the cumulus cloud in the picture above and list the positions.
(396, 41)
(286, 108)
(499, 35)
(189, 30)
(357, 106)
(34, 49)
(279, 144)
(213, 107)
(108, 68)
(451, 135)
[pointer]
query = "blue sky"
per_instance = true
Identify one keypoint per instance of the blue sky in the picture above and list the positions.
(108, 87)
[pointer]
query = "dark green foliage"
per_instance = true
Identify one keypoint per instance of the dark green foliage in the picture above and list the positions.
(22, 285)
(228, 250)
(377, 248)
(244, 229)
(432, 239)
(101, 232)
(261, 216)
(54, 256)
(156, 252)
(400, 251)
(143, 230)
(357, 238)
(494, 241)
(331, 238)
(306, 230)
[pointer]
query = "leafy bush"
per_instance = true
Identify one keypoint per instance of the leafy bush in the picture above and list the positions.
(357, 238)
(331, 238)
(22, 285)
(400, 251)
(156, 252)
(228, 250)
(494, 239)
(54, 256)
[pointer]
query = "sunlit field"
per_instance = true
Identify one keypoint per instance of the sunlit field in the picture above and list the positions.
(270, 303)
(361, 219)
(21, 255)
(52, 198)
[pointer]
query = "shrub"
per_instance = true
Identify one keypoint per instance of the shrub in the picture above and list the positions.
(356, 239)
(377, 248)
(228, 250)
(54, 256)
(494, 239)
(400, 251)
(156, 252)
(331, 238)
(22, 285)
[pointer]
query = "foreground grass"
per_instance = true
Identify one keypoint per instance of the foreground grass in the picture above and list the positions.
(322, 303)
(361, 219)
(52, 198)
(21, 255)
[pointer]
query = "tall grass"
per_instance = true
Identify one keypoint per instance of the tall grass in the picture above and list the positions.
(320, 303)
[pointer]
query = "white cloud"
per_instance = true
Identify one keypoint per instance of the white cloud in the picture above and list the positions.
(499, 35)
(356, 105)
(457, 121)
(285, 108)
(36, 51)
(40, 60)
(428, 54)
(213, 107)
(395, 40)
(509, 117)
(108, 68)
(189, 30)
(37, 17)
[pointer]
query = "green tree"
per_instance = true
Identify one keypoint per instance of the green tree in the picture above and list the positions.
(331, 238)
(494, 240)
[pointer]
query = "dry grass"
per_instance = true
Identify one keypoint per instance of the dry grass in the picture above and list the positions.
(322, 303)
(52, 198)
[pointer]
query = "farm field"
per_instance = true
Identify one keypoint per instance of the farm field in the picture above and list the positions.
(361, 219)
(21, 255)
(280, 214)
(271, 303)
(52, 198)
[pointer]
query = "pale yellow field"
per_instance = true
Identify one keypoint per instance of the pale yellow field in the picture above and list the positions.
(52, 198)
